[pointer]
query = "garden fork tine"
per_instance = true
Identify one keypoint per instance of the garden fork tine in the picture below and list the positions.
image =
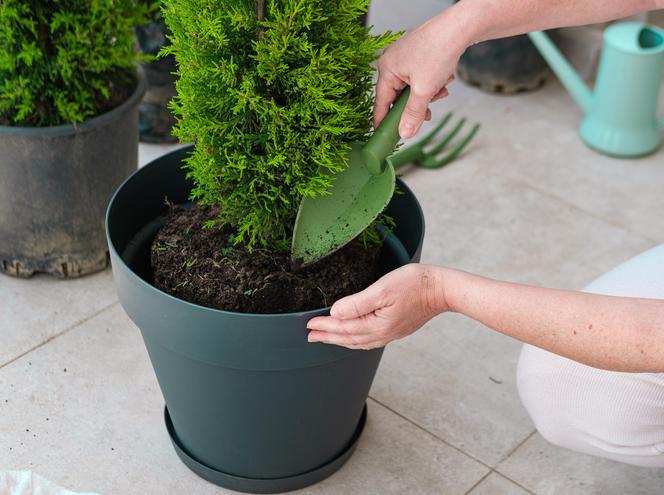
(428, 159)
(429, 137)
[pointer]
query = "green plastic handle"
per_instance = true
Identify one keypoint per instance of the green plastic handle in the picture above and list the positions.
(385, 138)
(404, 157)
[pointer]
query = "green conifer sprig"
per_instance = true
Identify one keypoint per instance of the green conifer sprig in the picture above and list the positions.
(60, 60)
(271, 104)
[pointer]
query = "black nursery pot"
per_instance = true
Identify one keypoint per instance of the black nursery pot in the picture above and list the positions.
(250, 405)
(55, 183)
(507, 65)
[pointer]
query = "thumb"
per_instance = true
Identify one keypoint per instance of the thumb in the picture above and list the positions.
(414, 114)
(358, 305)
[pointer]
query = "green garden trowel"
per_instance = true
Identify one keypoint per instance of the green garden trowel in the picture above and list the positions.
(357, 196)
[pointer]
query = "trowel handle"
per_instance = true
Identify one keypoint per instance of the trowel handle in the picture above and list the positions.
(385, 138)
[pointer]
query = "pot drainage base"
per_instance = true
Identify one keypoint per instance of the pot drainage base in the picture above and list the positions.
(262, 485)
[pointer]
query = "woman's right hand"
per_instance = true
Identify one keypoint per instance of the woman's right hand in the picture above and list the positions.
(425, 60)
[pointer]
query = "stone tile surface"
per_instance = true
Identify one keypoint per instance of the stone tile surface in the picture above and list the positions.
(456, 379)
(85, 411)
(149, 152)
(549, 470)
(500, 227)
(395, 457)
(533, 138)
(34, 310)
(495, 484)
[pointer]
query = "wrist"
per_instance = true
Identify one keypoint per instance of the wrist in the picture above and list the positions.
(438, 288)
(451, 284)
(464, 23)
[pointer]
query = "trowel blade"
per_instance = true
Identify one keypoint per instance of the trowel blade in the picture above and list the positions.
(356, 198)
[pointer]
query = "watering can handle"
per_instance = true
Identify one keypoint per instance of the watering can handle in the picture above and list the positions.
(385, 138)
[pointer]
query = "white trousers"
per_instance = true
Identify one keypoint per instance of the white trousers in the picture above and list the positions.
(610, 414)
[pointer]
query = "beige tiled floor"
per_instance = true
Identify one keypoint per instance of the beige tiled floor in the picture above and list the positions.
(527, 202)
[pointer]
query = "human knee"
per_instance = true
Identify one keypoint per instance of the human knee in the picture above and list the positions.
(539, 388)
(612, 415)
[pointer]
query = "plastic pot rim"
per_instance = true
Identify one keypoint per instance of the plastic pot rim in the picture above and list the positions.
(88, 124)
(147, 169)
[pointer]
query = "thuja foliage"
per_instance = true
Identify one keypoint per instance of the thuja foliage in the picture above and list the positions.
(62, 61)
(271, 92)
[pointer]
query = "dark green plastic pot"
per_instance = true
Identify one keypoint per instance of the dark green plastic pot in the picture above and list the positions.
(251, 406)
(55, 183)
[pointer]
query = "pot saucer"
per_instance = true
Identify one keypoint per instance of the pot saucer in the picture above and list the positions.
(263, 485)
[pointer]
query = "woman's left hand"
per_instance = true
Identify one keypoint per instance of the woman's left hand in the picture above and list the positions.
(395, 306)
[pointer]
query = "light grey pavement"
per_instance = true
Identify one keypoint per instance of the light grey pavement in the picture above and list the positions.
(527, 201)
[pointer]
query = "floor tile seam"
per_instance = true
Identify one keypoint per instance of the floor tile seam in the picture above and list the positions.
(517, 447)
(431, 434)
(577, 207)
(59, 334)
(497, 470)
(511, 480)
(464, 453)
(478, 482)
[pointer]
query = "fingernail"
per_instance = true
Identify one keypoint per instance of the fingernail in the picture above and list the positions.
(335, 312)
(407, 130)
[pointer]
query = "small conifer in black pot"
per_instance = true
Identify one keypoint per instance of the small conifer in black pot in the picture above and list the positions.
(271, 93)
(69, 92)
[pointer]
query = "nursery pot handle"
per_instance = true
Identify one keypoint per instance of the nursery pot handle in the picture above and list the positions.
(385, 138)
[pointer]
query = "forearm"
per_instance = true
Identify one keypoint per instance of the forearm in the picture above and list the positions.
(616, 333)
(481, 20)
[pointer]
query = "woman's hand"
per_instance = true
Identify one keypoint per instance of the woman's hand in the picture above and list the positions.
(394, 307)
(425, 60)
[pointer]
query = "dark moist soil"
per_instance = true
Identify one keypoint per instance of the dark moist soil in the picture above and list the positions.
(204, 266)
(120, 92)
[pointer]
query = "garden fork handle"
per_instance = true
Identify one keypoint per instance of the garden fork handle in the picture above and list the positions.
(385, 138)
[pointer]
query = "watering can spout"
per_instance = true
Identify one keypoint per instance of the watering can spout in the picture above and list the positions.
(563, 69)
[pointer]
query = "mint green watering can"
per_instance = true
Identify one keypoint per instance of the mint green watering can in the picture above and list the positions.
(621, 113)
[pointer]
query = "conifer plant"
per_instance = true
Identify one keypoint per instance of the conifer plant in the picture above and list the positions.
(271, 92)
(63, 61)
